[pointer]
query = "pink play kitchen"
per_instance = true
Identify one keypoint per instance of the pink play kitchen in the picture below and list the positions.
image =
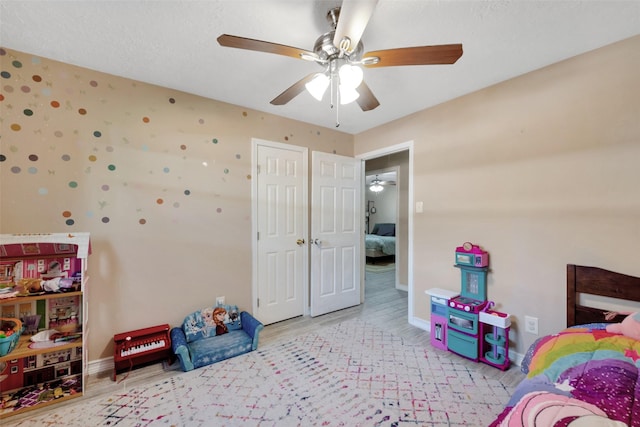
(464, 322)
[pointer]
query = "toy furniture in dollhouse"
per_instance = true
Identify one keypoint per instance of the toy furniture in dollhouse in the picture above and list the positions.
(37, 372)
(439, 303)
(494, 338)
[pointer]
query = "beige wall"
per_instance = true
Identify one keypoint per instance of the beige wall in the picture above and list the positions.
(168, 233)
(541, 171)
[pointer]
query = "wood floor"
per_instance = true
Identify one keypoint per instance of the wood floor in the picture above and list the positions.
(384, 306)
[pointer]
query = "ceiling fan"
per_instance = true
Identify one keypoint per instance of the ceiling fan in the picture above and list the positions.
(340, 53)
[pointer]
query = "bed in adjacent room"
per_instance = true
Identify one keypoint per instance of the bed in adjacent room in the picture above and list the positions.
(381, 242)
(582, 375)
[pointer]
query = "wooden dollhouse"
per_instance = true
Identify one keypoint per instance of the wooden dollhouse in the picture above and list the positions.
(43, 304)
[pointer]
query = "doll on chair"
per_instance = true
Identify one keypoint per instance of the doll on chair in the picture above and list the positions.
(629, 327)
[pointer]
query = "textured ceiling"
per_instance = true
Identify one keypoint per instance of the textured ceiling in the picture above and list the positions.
(173, 44)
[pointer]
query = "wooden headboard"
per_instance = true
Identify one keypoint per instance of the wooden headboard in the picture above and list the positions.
(597, 281)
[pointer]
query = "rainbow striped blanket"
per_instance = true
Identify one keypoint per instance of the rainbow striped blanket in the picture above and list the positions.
(581, 376)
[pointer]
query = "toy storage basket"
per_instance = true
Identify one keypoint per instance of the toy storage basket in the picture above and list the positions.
(9, 343)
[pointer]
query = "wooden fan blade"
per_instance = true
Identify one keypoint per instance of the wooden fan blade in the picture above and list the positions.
(420, 55)
(293, 91)
(261, 46)
(353, 19)
(367, 100)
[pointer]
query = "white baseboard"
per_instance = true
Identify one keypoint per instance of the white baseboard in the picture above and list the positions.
(99, 366)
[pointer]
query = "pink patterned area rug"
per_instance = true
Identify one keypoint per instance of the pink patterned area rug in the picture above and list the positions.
(350, 374)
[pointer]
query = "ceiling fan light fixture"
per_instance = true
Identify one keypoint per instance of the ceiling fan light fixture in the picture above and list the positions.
(318, 86)
(376, 187)
(350, 75)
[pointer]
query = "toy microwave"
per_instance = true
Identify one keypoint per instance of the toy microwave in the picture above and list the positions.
(471, 255)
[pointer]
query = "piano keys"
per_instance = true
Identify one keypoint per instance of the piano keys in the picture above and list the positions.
(141, 347)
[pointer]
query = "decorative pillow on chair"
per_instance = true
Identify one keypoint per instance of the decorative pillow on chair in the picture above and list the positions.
(199, 324)
(231, 316)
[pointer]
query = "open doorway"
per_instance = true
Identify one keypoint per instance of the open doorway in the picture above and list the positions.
(388, 214)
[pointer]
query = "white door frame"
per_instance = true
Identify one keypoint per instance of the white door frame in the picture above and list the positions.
(379, 153)
(255, 142)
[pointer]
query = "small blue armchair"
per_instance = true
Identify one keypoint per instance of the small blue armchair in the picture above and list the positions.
(196, 345)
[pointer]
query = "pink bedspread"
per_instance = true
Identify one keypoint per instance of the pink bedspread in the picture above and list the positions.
(581, 376)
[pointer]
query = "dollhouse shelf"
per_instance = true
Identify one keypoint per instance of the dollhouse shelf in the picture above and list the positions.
(44, 373)
(22, 349)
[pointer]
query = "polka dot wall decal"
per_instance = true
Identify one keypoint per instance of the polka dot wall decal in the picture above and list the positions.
(15, 127)
(183, 147)
(219, 210)
(36, 78)
(165, 170)
(249, 176)
(176, 205)
(17, 64)
(92, 158)
(105, 187)
(244, 114)
(46, 91)
(33, 170)
(69, 222)
(286, 138)
(215, 140)
(58, 134)
(33, 157)
(8, 89)
(142, 221)
(201, 121)
(109, 149)
(28, 112)
(55, 104)
(25, 89)
(13, 149)
(238, 156)
(35, 60)
(105, 219)
(3, 157)
(2, 52)
(226, 171)
(16, 169)
(93, 83)
(145, 119)
(111, 167)
(159, 201)
(1, 97)
(43, 191)
(73, 184)
(82, 111)
(97, 134)
(187, 192)
(66, 214)
(5, 74)
(172, 101)
(66, 157)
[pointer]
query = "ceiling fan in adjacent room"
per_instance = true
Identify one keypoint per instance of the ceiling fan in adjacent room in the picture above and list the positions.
(340, 53)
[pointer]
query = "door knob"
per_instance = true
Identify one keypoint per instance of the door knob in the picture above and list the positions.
(316, 242)
(300, 242)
